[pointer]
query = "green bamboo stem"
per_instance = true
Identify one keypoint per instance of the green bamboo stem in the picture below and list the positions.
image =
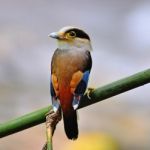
(97, 95)
(23, 122)
(117, 87)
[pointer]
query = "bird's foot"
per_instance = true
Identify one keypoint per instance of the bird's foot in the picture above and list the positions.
(89, 91)
(52, 118)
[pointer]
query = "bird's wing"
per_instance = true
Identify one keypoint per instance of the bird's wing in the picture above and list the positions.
(54, 84)
(79, 81)
(54, 92)
(78, 86)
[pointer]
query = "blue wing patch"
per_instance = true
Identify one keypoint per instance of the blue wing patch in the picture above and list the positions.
(80, 90)
(86, 76)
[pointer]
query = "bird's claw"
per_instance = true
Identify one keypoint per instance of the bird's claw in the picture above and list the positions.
(89, 91)
(52, 118)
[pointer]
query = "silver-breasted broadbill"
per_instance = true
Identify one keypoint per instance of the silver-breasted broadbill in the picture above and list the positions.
(70, 68)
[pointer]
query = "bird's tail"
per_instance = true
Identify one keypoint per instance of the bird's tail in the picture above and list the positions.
(71, 125)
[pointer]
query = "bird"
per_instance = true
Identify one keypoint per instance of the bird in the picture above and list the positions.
(70, 69)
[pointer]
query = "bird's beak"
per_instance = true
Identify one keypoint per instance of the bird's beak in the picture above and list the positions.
(54, 35)
(57, 35)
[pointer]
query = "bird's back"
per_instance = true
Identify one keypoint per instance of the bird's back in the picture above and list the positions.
(64, 64)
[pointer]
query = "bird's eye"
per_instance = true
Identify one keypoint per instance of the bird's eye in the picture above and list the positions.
(72, 34)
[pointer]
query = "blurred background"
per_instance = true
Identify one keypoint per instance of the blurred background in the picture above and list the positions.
(120, 35)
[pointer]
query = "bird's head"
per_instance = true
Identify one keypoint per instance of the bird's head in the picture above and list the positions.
(71, 37)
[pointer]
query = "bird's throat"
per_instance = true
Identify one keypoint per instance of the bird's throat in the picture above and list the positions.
(73, 45)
